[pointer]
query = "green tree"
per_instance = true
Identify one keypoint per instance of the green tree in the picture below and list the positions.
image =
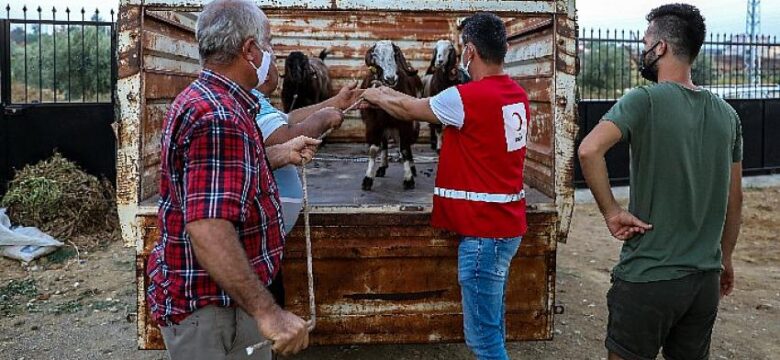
(83, 64)
(703, 72)
(607, 70)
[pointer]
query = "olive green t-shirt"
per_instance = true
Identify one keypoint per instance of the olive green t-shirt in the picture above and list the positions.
(683, 143)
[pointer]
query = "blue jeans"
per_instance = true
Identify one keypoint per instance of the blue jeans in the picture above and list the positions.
(483, 270)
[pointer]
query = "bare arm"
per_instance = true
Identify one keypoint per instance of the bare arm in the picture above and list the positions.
(733, 212)
(400, 105)
(296, 151)
(594, 167)
(313, 126)
(299, 115)
(218, 251)
(345, 97)
(620, 222)
(731, 228)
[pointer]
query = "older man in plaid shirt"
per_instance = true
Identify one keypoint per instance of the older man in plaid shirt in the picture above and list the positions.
(220, 216)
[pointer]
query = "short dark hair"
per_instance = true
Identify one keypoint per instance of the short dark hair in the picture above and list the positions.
(488, 34)
(681, 25)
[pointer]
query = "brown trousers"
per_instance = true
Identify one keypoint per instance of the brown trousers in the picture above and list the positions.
(214, 333)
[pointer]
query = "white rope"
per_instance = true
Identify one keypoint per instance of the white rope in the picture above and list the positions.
(309, 261)
(309, 265)
(307, 229)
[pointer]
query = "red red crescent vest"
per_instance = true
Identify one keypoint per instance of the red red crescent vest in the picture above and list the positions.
(479, 184)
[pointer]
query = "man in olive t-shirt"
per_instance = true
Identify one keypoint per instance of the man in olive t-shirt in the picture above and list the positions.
(686, 154)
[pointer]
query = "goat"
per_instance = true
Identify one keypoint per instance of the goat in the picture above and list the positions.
(306, 81)
(441, 74)
(389, 67)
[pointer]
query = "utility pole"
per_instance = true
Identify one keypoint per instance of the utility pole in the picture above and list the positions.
(752, 30)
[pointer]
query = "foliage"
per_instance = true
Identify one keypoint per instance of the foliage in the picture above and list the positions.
(56, 196)
(607, 70)
(83, 63)
(14, 293)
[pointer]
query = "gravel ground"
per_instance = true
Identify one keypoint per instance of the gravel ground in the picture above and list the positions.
(84, 309)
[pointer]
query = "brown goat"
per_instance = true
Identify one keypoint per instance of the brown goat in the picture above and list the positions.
(389, 67)
(306, 81)
(442, 74)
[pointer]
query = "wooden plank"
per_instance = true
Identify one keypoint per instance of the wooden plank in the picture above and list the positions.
(161, 85)
(163, 44)
(403, 285)
(351, 240)
(367, 300)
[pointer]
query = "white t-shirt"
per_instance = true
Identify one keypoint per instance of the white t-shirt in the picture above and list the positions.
(448, 107)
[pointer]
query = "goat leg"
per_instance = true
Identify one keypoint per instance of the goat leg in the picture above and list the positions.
(408, 166)
(439, 138)
(434, 138)
(382, 170)
(368, 181)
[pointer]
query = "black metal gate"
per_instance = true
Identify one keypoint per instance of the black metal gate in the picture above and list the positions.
(609, 63)
(57, 80)
(760, 131)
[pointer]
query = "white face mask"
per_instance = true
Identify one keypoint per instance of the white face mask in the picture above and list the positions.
(464, 67)
(262, 71)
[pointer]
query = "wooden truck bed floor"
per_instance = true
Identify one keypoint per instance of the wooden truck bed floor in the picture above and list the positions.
(337, 172)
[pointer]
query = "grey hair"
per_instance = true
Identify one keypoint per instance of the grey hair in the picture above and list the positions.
(224, 25)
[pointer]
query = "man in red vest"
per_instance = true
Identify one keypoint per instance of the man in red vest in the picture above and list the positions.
(479, 185)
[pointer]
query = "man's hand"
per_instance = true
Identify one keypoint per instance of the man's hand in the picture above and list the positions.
(301, 149)
(288, 333)
(332, 117)
(348, 95)
(623, 225)
(727, 278)
(375, 94)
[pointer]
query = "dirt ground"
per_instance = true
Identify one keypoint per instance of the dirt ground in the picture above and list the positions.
(61, 308)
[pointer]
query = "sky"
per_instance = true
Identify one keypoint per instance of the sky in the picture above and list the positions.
(723, 16)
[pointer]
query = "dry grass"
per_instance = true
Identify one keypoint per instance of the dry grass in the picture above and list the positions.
(56, 196)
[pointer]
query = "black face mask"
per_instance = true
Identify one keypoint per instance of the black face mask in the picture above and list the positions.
(649, 71)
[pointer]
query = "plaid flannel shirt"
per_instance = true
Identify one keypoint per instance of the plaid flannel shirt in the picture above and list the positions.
(213, 167)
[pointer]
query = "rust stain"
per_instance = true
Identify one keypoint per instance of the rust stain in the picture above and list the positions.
(565, 122)
(406, 296)
(368, 299)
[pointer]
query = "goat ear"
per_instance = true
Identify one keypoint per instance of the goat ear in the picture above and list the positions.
(454, 74)
(433, 62)
(370, 57)
(400, 59)
(453, 58)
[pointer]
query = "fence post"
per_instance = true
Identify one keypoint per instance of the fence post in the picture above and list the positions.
(5, 61)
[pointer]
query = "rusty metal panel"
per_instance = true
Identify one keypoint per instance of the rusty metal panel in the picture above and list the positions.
(565, 117)
(530, 62)
(511, 6)
(401, 275)
(170, 63)
(348, 37)
(129, 94)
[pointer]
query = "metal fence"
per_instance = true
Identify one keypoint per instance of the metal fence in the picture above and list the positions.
(733, 66)
(57, 78)
(57, 56)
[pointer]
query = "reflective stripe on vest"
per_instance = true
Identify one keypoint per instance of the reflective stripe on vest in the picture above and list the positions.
(478, 196)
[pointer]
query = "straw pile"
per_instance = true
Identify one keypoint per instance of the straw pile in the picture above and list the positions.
(56, 196)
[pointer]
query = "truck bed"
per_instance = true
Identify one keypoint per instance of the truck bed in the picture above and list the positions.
(336, 174)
